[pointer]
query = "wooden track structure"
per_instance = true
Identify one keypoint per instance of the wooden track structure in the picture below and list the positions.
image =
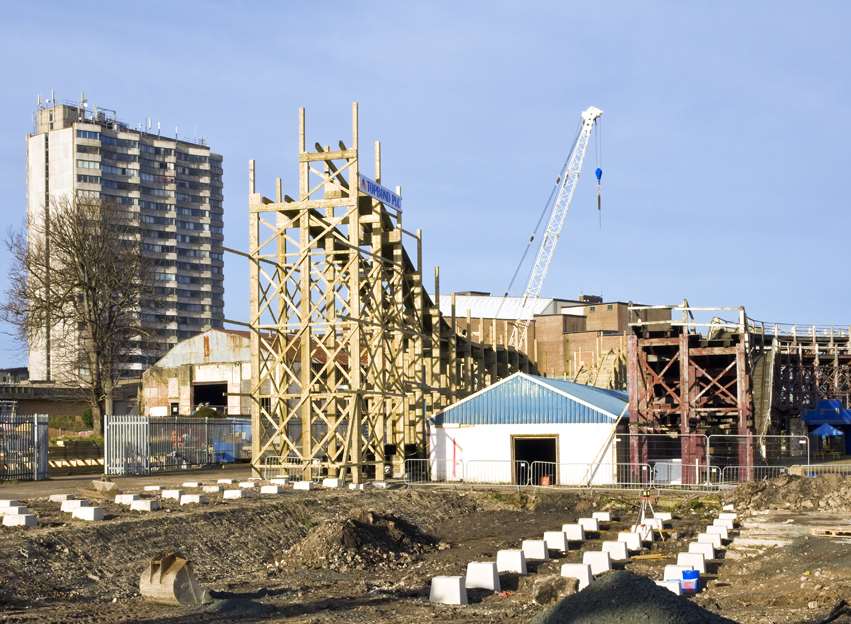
(349, 353)
(742, 378)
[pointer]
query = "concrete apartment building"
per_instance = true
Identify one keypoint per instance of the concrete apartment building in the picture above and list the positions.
(169, 187)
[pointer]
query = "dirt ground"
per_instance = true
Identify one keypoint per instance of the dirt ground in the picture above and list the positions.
(367, 557)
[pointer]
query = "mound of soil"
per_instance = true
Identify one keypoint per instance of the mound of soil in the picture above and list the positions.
(624, 598)
(796, 493)
(364, 541)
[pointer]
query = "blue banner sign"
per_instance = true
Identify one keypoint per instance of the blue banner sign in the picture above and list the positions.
(374, 189)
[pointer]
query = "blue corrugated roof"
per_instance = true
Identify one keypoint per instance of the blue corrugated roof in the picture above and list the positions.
(828, 411)
(528, 399)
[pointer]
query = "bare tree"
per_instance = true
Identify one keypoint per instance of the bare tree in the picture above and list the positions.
(78, 280)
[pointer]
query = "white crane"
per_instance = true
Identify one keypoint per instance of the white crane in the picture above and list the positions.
(566, 184)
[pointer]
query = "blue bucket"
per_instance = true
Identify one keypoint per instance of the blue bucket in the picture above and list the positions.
(690, 582)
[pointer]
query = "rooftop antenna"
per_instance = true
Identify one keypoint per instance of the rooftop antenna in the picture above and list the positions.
(158, 128)
(149, 124)
(175, 132)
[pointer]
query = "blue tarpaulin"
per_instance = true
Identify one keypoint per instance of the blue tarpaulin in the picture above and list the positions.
(826, 431)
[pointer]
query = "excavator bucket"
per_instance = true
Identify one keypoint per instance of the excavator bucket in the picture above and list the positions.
(168, 579)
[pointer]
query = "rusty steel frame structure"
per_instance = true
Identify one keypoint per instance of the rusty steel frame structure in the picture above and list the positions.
(740, 378)
(349, 353)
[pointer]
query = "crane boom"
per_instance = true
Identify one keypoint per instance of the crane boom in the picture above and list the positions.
(566, 186)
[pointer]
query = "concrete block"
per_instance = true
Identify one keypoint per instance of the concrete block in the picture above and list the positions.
(190, 484)
(722, 522)
(144, 504)
(580, 571)
(224, 481)
(718, 530)
(556, 540)
(696, 560)
(90, 514)
(357, 486)
(617, 550)
(707, 550)
(728, 515)
(125, 499)
(708, 538)
(381, 485)
(448, 590)
(664, 516)
(602, 516)
(248, 485)
(257, 479)
(332, 483)
(632, 540)
(589, 525)
(728, 507)
(170, 494)
(303, 485)
(653, 523)
(271, 489)
(573, 532)
(673, 586)
(211, 489)
(279, 481)
(598, 560)
(237, 494)
(17, 510)
(152, 488)
(675, 572)
(482, 575)
(59, 498)
(9, 502)
(193, 499)
(513, 561)
(535, 550)
(71, 504)
(25, 520)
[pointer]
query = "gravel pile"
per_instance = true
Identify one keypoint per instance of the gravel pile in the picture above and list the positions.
(626, 598)
(366, 541)
(795, 493)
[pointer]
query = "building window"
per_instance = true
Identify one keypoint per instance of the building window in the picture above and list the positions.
(610, 307)
(87, 134)
(591, 308)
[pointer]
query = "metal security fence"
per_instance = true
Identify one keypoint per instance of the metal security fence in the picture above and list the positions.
(23, 447)
(145, 444)
(763, 450)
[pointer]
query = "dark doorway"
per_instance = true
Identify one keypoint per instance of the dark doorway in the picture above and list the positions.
(213, 395)
(535, 449)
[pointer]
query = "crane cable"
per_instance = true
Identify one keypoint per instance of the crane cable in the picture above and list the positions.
(598, 171)
(547, 208)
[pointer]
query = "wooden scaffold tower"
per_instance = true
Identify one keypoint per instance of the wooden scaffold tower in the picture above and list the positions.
(349, 353)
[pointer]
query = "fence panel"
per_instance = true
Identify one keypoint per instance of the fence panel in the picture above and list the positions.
(23, 447)
(763, 450)
(142, 444)
(818, 470)
(733, 475)
(496, 472)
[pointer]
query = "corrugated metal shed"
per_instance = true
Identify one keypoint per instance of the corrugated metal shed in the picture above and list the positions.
(528, 399)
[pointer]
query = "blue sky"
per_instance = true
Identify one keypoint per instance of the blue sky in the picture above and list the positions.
(724, 140)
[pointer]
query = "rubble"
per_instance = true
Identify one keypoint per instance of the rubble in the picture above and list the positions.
(830, 492)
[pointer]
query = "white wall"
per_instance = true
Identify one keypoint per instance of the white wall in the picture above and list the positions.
(484, 451)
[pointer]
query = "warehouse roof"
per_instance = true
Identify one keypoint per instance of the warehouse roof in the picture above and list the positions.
(509, 308)
(528, 399)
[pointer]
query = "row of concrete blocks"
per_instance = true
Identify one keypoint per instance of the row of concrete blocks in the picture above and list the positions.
(700, 551)
(485, 574)
(16, 514)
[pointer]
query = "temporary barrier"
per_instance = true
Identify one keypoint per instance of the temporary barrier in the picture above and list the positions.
(144, 444)
(497, 472)
(23, 447)
(731, 475)
(757, 450)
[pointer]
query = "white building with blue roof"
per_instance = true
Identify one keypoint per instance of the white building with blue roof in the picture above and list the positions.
(526, 428)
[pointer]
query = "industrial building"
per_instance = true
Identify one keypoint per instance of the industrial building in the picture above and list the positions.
(171, 190)
(583, 339)
(211, 370)
(529, 428)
